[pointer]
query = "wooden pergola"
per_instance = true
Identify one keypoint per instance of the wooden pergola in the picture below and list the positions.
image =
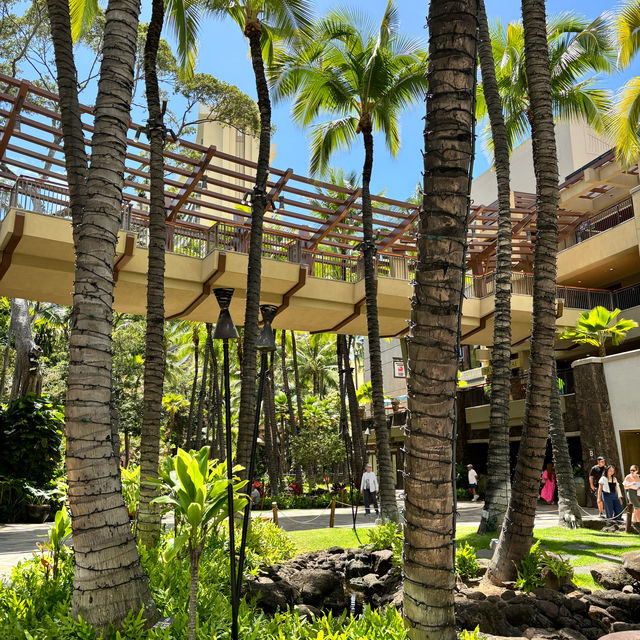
(205, 186)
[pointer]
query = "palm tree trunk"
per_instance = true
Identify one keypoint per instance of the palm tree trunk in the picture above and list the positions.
(433, 346)
(498, 459)
(5, 360)
(108, 579)
(270, 437)
(386, 475)
(357, 439)
(517, 530)
(287, 392)
(149, 516)
(211, 406)
(253, 32)
(569, 512)
(203, 386)
(27, 372)
(296, 381)
(194, 385)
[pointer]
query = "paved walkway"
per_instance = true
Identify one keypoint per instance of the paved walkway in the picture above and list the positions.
(18, 541)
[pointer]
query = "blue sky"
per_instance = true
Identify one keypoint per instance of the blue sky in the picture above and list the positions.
(223, 53)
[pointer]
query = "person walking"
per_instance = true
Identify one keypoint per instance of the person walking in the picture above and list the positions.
(597, 471)
(369, 489)
(610, 494)
(632, 490)
(548, 484)
(473, 483)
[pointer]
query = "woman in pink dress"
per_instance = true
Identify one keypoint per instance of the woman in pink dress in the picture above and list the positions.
(549, 482)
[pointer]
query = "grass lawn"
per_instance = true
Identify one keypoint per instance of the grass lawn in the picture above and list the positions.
(554, 539)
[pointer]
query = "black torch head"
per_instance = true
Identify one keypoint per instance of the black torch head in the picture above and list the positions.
(225, 329)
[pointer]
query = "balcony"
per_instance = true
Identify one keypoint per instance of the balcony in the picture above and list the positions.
(603, 221)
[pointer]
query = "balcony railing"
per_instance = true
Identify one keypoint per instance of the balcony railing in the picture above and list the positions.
(603, 221)
(53, 199)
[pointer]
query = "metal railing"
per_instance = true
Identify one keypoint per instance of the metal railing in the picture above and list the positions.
(603, 221)
(332, 266)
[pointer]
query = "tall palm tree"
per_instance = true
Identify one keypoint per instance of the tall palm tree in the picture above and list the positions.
(149, 515)
(517, 529)
(317, 361)
(576, 47)
(498, 458)
(625, 116)
(293, 429)
(108, 578)
(365, 78)
(569, 512)
(296, 380)
(429, 532)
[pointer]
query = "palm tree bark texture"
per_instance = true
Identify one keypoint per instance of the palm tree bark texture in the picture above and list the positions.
(386, 473)
(433, 344)
(253, 32)
(517, 529)
(149, 516)
(569, 512)
(108, 579)
(27, 372)
(498, 459)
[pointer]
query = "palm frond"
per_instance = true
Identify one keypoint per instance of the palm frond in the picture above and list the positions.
(83, 14)
(624, 123)
(329, 137)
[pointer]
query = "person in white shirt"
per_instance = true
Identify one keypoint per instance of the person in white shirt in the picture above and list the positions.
(473, 483)
(632, 489)
(369, 489)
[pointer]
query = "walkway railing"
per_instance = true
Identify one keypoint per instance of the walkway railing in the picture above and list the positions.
(183, 238)
(603, 221)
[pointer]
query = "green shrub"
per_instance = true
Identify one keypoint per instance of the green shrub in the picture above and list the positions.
(31, 439)
(466, 562)
(530, 570)
(131, 487)
(470, 635)
(269, 543)
(386, 536)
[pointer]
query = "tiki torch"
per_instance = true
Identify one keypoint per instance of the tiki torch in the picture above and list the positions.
(265, 344)
(225, 330)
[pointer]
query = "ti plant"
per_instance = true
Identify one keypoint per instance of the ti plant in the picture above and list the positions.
(196, 488)
(597, 326)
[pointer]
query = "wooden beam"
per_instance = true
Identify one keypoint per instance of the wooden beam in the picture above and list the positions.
(329, 224)
(14, 239)
(302, 280)
(121, 262)
(13, 116)
(399, 231)
(218, 272)
(277, 190)
(191, 183)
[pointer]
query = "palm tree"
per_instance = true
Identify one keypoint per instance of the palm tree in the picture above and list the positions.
(576, 47)
(364, 78)
(149, 515)
(517, 529)
(108, 577)
(625, 116)
(173, 404)
(293, 430)
(27, 371)
(317, 361)
(597, 327)
(296, 380)
(498, 458)
(433, 346)
(569, 512)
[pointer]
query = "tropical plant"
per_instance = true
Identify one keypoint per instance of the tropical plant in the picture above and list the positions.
(576, 47)
(597, 327)
(517, 530)
(317, 362)
(624, 123)
(196, 488)
(364, 77)
(498, 458)
(131, 487)
(386, 536)
(428, 561)
(529, 571)
(270, 543)
(58, 534)
(466, 562)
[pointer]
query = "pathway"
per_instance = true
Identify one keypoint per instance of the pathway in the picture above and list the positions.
(19, 541)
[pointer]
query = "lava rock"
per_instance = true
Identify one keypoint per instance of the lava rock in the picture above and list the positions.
(356, 569)
(631, 563)
(610, 575)
(308, 612)
(519, 614)
(382, 561)
(270, 595)
(319, 588)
